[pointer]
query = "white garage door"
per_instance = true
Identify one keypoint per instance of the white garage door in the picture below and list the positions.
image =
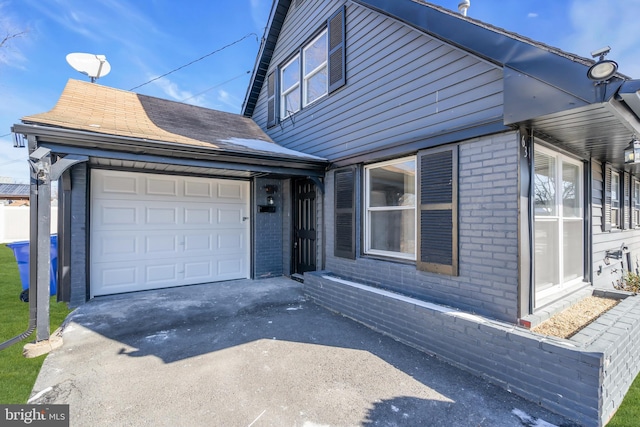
(155, 231)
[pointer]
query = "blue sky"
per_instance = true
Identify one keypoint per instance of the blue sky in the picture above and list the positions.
(143, 39)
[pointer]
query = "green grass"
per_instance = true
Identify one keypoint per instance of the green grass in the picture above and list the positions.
(629, 412)
(17, 373)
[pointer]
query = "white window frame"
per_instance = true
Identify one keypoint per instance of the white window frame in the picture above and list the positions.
(286, 91)
(306, 77)
(615, 201)
(369, 210)
(541, 297)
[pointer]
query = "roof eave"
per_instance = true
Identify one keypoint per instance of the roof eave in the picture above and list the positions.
(557, 68)
(87, 139)
(263, 59)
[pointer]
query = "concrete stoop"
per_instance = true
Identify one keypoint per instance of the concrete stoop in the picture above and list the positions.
(583, 378)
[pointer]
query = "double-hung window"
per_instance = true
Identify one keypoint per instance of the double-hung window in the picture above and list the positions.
(390, 197)
(290, 87)
(615, 200)
(315, 69)
(314, 59)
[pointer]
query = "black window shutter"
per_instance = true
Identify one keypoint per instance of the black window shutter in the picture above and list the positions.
(606, 197)
(337, 66)
(271, 99)
(438, 213)
(626, 202)
(632, 202)
(345, 213)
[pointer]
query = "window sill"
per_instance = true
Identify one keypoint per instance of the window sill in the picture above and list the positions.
(389, 259)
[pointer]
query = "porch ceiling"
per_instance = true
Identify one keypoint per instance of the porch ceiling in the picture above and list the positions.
(600, 131)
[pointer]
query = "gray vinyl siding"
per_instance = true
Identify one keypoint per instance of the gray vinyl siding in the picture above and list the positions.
(488, 237)
(401, 85)
(609, 240)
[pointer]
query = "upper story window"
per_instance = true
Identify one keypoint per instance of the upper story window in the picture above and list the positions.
(615, 199)
(290, 87)
(390, 223)
(314, 77)
(315, 69)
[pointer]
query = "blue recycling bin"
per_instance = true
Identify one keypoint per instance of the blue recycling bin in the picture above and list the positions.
(21, 252)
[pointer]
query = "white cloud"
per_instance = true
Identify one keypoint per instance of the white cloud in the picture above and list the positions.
(594, 26)
(228, 100)
(171, 89)
(532, 15)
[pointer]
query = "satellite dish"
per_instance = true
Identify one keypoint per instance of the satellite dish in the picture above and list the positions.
(94, 66)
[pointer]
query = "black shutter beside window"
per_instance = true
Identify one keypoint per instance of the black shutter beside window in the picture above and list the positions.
(632, 202)
(438, 212)
(625, 203)
(606, 197)
(337, 77)
(345, 213)
(271, 99)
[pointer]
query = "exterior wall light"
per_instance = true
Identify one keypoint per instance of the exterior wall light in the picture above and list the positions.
(270, 207)
(632, 152)
(604, 69)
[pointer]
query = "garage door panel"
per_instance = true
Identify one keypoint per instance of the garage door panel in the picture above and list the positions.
(197, 215)
(194, 243)
(118, 277)
(230, 190)
(198, 189)
(124, 246)
(166, 186)
(156, 215)
(151, 231)
(198, 270)
(158, 244)
(229, 267)
(230, 241)
(229, 216)
(117, 184)
(156, 274)
(117, 215)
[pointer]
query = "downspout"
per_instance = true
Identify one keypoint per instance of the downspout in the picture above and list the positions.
(33, 302)
(33, 251)
(42, 173)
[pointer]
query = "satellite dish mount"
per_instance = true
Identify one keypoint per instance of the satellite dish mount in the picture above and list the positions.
(94, 66)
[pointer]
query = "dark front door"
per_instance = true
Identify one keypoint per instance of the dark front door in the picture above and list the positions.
(304, 226)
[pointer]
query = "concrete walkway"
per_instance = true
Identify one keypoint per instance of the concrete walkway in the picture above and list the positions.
(255, 353)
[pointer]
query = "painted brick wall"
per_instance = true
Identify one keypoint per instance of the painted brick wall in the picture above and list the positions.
(268, 242)
(488, 240)
(582, 379)
(78, 235)
(616, 334)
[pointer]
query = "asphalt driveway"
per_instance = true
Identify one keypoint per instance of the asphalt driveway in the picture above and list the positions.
(255, 353)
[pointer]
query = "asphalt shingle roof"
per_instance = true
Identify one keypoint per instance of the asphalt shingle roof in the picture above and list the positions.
(94, 108)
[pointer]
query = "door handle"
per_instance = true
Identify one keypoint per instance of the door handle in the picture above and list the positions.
(244, 218)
